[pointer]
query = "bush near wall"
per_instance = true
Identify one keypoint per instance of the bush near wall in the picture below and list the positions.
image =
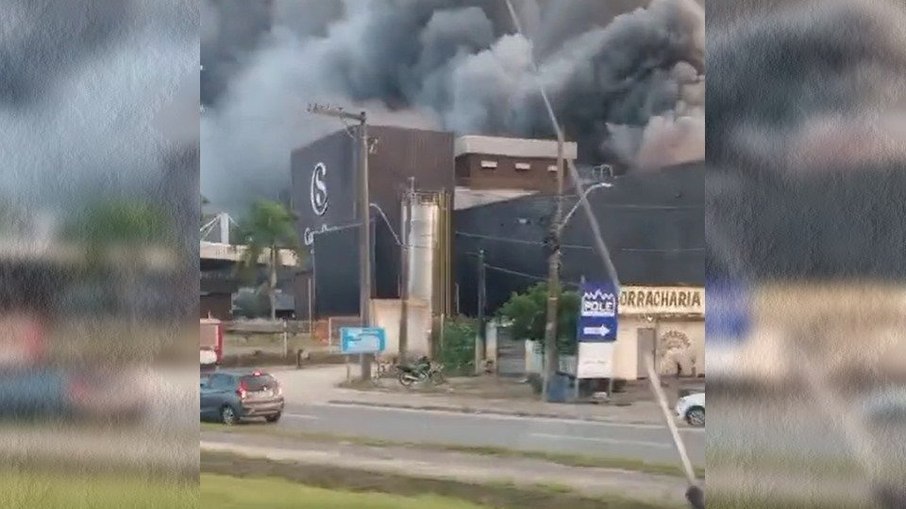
(457, 348)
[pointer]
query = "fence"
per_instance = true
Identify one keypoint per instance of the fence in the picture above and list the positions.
(535, 360)
(267, 327)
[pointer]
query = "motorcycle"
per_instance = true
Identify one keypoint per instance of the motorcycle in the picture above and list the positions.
(421, 372)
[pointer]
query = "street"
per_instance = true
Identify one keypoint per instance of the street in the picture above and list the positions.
(650, 443)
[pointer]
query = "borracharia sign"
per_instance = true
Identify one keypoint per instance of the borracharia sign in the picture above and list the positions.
(661, 300)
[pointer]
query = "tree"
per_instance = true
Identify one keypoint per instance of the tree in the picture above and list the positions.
(268, 228)
(526, 313)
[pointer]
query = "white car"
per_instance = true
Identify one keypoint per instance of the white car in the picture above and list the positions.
(691, 408)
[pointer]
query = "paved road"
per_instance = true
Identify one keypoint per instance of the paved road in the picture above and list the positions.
(629, 441)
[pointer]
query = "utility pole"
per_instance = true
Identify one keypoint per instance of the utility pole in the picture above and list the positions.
(551, 357)
(481, 346)
(408, 196)
(364, 217)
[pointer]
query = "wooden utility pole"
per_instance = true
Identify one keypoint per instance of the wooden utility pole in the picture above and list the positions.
(405, 250)
(481, 345)
(552, 360)
(364, 217)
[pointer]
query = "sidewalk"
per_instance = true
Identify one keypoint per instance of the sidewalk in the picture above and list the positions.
(644, 412)
(476, 396)
(469, 468)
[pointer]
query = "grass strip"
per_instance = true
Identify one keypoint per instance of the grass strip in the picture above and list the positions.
(570, 460)
(492, 495)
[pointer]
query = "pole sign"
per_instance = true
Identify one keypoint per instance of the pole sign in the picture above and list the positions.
(598, 313)
(362, 340)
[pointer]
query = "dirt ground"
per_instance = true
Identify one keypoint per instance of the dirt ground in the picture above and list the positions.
(267, 350)
(498, 496)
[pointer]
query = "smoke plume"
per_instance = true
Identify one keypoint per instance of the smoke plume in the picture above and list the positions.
(627, 81)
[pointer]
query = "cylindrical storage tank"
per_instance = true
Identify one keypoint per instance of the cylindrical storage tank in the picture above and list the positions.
(422, 243)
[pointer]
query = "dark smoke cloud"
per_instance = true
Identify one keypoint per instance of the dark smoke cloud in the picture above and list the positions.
(627, 84)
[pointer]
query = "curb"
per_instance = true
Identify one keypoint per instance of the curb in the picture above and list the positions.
(477, 411)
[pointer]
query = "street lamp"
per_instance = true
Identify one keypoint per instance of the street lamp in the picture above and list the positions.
(588, 190)
(380, 211)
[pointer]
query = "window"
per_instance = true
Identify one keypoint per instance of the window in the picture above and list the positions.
(552, 168)
(488, 165)
(221, 382)
(258, 383)
(523, 166)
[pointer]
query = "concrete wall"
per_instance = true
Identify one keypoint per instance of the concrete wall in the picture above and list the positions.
(678, 340)
(387, 313)
(670, 334)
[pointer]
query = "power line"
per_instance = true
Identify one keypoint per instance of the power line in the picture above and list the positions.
(526, 274)
(578, 246)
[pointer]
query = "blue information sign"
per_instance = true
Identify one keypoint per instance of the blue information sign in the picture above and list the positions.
(728, 316)
(362, 340)
(598, 313)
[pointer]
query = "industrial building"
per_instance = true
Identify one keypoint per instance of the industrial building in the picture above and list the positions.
(496, 195)
(653, 226)
(495, 163)
(652, 223)
(325, 187)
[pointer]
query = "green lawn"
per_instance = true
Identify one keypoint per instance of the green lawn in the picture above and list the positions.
(43, 490)
(225, 492)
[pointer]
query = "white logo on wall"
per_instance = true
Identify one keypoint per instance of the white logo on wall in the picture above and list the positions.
(319, 189)
(599, 304)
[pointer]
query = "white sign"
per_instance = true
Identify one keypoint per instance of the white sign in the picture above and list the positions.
(318, 196)
(599, 304)
(595, 360)
(308, 236)
(662, 300)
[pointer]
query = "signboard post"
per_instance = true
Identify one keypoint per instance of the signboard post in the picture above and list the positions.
(597, 330)
(361, 341)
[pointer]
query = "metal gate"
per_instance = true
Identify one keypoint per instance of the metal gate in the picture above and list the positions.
(510, 354)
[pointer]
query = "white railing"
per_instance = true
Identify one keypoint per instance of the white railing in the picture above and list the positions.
(217, 251)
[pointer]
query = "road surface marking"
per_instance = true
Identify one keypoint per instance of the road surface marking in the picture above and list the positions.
(499, 417)
(302, 416)
(603, 440)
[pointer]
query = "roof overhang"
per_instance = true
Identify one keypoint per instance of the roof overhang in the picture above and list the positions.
(512, 147)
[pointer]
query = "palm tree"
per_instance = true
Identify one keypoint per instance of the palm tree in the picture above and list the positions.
(268, 228)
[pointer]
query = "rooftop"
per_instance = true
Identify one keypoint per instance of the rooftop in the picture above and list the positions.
(512, 147)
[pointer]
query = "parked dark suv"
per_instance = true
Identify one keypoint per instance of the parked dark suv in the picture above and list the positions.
(231, 395)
